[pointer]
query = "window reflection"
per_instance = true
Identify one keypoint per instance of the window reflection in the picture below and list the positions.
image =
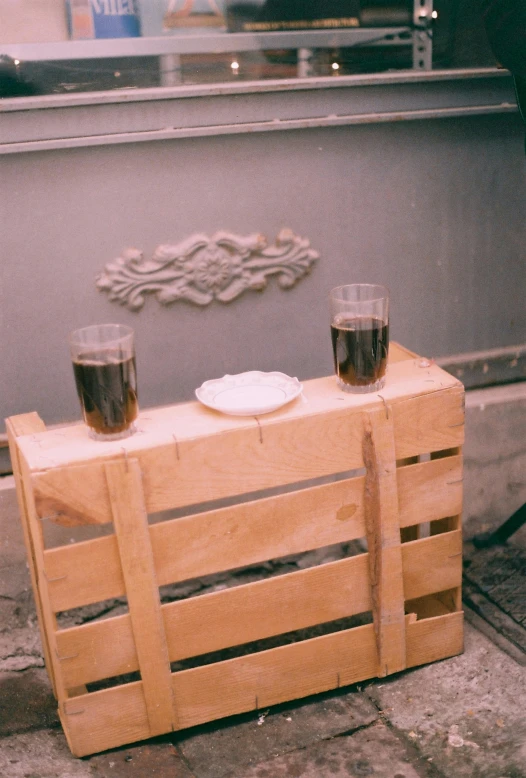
(123, 44)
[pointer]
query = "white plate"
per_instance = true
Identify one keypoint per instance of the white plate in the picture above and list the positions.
(249, 394)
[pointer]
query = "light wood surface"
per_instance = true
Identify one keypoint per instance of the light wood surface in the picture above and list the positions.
(142, 591)
(255, 611)
(251, 532)
(189, 456)
(113, 717)
(383, 540)
(67, 444)
(26, 424)
(241, 461)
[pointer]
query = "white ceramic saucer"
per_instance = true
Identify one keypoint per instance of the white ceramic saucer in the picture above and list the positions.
(249, 394)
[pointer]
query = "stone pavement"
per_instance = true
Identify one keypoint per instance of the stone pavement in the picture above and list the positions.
(461, 717)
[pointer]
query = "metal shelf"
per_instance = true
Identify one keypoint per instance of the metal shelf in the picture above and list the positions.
(208, 43)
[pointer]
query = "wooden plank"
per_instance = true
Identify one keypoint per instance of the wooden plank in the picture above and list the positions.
(428, 489)
(70, 444)
(113, 717)
(273, 606)
(33, 525)
(185, 468)
(26, 424)
(251, 532)
(413, 532)
(452, 600)
(435, 638)
(432, 564)
(74, 496)
(131, 528)
(383, 541)
(429, 422)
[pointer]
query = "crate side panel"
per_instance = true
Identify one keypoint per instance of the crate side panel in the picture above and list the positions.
(435, 638)
(84, 573)
(73, 495)
(275, 676)
(235, 462)
(234, 616)
(237, 536)
(429, 490)
(429, 422)
(432, 564)
(70, 445)
(251, 532)
(105, 719)
(267, 455)
(257, 610)
(114, 717)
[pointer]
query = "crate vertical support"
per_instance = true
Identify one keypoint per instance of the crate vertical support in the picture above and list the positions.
(28, 424)
(124, 479)
(383, 540)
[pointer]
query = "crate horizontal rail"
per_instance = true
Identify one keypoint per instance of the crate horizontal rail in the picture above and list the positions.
(329, 468)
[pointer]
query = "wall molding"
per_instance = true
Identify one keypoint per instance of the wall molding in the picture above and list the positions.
(51, 122)
(201, 269)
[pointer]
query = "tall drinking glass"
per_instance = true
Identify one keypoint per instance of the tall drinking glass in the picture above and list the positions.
(103, 358)
(360, 336)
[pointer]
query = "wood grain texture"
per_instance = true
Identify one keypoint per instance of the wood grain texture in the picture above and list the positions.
(236, 616)
(33, 527)
(133, 540)
(382, 527)
(187, 455)
(27, 424)
(190, 454)
(113, 717)
(453, 599)
(251, 532)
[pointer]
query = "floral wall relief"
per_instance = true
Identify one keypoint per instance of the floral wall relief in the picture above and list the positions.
(201, 269)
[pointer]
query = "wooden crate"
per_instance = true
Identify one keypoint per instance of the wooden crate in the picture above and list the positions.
(405, 444)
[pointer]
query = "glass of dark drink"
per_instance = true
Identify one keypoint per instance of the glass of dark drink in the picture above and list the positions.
(360, 336)
(103, 358)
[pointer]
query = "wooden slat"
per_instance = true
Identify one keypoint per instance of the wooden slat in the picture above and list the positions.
(452, 600)
(113, 717)
(131, 528)
(70, 445)
(26, 424)
(432, 564)
(383, 540)
(267, 454)
(258, 610)
(251, 532)
(409, 533)
(435, 638)
(428, 489)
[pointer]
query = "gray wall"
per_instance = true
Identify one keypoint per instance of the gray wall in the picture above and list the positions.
(435, 209)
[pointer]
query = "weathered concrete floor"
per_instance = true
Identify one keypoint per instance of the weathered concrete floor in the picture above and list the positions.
(461, 717)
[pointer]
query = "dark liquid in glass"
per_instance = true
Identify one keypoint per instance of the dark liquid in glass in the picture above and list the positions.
(360, 345)
(107, 391)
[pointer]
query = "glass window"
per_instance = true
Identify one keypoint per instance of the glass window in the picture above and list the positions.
(64, 46)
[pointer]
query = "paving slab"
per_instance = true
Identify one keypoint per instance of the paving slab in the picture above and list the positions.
(226, 748)
(373, 751)
(20, 649)
(40, 754)
(466, 714)
(27, 702)
(156, 759)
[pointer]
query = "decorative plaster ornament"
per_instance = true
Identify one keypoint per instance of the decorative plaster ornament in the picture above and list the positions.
(202, 269)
